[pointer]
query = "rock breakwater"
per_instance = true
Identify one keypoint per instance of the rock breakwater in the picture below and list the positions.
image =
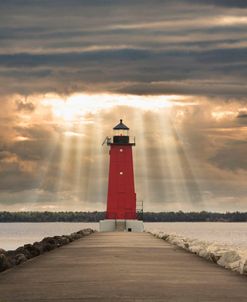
(11, 258)
(227, 256)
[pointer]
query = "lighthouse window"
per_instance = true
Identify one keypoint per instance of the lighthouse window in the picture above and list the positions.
(121, 173)
(121, 150)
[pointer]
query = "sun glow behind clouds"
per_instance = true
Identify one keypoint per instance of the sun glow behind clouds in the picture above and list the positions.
(80, 116)
(74, 107)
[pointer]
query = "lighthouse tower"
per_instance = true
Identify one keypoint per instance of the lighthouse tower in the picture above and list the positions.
(121, 197)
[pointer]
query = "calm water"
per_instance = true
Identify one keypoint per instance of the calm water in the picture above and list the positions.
(220, 232)
(13, 235)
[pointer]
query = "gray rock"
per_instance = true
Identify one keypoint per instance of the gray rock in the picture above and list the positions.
(234, 266)
(87, 232)
(243, 267)
(65, 240)
(20, 258)
(165, 237)
(49, 243)
(32, 250)
(62, 240)
(39, 247)
(70, 239)
(4, 263)
(186, 245)
(24, 251)
(2, 251)
(214, 257)
(47, 246)
(10, 255)
(228, 258)
(75, 236)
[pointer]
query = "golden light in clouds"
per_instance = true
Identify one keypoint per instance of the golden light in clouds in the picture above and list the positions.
(232, 20)
(184, 146)
(74, 107)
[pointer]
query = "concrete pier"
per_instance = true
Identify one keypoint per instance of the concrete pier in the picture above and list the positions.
(120, 267)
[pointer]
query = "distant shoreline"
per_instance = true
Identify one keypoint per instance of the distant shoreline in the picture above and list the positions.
(147, 216)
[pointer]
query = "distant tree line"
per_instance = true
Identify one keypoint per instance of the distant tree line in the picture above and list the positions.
(147, 216)
(195, 216)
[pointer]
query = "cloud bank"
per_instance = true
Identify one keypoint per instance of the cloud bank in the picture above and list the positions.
(140, 47)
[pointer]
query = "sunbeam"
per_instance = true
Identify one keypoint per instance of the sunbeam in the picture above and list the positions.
(78, 163)
(177, 177)
(101, 172)
(86, 180)
(169, 170)
(156, 160)
(140, 153)
(64, 170)
(45, 171)
(187, 166)
(162, 164)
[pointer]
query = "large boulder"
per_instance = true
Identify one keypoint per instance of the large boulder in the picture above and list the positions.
(75, 236)
(228, 258)
(204, 253)
(234, 266)
(86, 232)
(165, 237)
(24, 251)
(68, 237)
(195, 248)
(213, 257)
(32, 250)
(243, 269)
(39, 246)
(4, 263)
(20, 258)
(2, 251)
(62, 240)
(49, 243)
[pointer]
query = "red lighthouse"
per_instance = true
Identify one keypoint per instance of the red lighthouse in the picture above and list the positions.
(121, 197)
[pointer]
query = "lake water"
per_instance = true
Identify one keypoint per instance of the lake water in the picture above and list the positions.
(230, 233)
(13, 235)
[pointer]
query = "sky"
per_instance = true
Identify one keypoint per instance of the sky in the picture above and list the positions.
(174, 71)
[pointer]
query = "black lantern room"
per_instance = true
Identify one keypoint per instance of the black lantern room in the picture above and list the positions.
(121, 133)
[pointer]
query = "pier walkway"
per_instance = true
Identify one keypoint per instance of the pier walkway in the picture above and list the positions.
(120, 267)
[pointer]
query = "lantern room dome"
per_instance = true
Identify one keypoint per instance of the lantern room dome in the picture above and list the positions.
(121, 126)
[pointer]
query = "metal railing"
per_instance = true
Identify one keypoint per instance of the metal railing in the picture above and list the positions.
(110, 140)
(139, 209)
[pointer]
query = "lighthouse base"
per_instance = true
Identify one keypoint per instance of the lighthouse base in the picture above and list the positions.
(112, 225)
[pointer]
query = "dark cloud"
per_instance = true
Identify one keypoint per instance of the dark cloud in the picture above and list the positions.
(141, 71)
(24, 105)
(4, 154)
(127, 55)
(242, 115)
(15, 175)
(132, 46)
(232, 156)
(224, 3)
